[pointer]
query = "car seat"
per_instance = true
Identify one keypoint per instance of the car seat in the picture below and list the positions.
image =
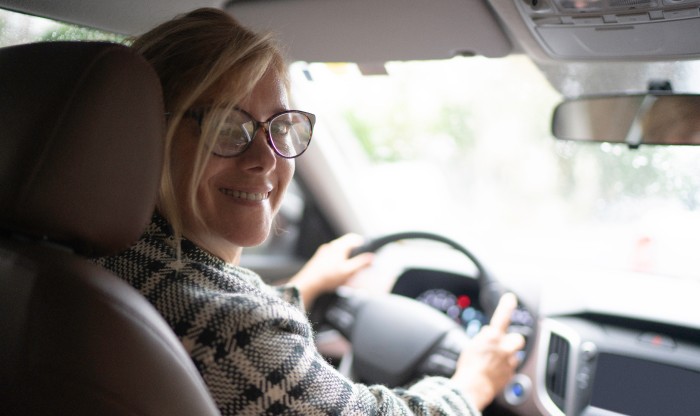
(81, 133)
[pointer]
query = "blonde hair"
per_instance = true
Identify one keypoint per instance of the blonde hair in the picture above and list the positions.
(193, 54)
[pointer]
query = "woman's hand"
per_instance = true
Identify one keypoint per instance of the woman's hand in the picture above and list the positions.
(488, 362)
(330, 267)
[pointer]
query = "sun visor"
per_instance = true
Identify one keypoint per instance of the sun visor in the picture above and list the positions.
(377, 31)
(614, 29)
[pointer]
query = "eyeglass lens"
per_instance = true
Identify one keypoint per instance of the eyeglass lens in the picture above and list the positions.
(290, 133)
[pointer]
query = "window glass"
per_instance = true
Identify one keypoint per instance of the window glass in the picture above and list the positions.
(463, 147)
(17, 28)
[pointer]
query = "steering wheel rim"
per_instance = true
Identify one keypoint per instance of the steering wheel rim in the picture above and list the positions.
(440, 348)
(488, 284)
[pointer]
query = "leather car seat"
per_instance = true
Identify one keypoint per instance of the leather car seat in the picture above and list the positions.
(81, 131)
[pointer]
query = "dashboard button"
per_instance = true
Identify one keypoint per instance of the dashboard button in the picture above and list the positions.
(588, 351)
(517, 391)
(582, 380)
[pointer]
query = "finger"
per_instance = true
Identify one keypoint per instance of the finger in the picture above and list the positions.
(489, 332)
(513, 361)
(513, 342)
(361, 261)
(501, 316)
(349, 241)
(353, 265)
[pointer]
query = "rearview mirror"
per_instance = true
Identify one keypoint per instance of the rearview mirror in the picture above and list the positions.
(649, 118)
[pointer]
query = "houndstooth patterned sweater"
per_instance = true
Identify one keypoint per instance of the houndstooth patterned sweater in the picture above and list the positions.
(253, 343)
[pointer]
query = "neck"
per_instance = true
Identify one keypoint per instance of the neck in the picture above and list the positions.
(220, 248)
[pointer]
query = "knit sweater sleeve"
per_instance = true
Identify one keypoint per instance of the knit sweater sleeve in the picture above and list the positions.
(263, 362)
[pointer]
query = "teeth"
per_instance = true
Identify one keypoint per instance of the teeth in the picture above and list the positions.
(250, 196)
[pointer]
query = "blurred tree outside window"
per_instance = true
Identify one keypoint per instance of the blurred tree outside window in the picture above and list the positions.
(17, 28)
(464, 146)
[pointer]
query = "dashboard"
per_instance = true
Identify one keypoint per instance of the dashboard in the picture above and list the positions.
(584, 361)
(592, 364)
(450, 293)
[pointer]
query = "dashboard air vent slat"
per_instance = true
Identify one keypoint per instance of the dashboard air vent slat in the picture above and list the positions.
(557, 367)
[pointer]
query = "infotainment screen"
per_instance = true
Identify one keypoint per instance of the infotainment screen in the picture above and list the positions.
(638, 387)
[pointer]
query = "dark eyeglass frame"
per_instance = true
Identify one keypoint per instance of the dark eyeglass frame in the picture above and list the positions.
(198, 115)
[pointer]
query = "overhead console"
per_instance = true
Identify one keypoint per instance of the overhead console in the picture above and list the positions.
(610, 29)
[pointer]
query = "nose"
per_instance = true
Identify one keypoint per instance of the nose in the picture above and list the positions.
(259, 157)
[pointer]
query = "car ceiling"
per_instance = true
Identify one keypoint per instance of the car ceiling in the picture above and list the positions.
(315, 30)
(587, 46)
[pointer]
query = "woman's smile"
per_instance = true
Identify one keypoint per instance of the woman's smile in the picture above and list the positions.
(248, 196)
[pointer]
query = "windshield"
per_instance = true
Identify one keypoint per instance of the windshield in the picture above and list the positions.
(463, 147)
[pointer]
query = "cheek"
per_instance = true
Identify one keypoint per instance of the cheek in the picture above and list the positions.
(213, 169)
(285, 172)
(288, 170)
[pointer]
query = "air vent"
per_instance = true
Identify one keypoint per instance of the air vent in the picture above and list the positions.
(557, 366)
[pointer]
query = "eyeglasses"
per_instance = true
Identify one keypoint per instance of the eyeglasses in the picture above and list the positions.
(288, 133)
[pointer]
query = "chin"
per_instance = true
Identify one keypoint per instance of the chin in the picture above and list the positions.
(253, 243)
(251, 239)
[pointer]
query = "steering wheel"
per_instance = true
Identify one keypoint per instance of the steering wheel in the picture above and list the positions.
(395, 339)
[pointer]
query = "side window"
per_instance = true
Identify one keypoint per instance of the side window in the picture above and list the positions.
(313, 229)
(17, 28)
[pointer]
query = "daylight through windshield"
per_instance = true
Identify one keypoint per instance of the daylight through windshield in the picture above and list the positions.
(463, 147)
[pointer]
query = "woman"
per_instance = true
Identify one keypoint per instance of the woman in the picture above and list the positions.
(225, 175)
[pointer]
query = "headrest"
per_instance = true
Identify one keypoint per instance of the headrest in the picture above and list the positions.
(81, 132)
